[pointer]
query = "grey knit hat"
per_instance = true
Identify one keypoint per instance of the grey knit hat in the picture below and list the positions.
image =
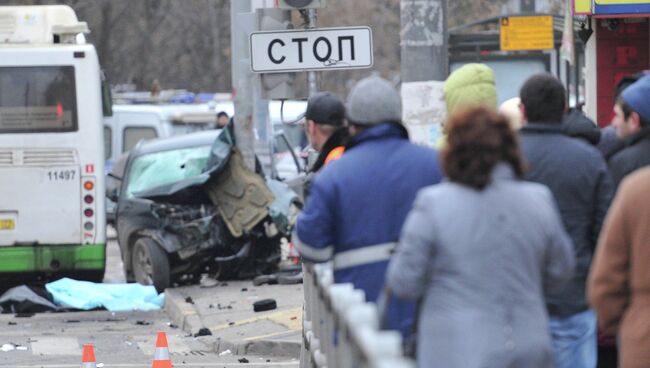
(373, 100)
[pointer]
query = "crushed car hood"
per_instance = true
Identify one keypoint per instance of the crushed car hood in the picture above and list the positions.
(241, 196)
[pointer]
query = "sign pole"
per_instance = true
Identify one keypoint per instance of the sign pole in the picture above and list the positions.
(311, 76)
(424, 40)
(242, 23)
(424, 67)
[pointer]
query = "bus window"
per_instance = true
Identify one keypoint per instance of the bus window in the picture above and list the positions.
(132, 135)
(108, 140)
(37, 99)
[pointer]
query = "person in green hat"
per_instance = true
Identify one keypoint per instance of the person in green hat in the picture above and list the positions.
(469, 86)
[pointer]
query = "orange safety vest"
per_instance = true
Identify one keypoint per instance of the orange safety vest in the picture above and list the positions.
(334, 154)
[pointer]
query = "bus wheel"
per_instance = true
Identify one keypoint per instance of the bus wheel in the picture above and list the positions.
(150, 264)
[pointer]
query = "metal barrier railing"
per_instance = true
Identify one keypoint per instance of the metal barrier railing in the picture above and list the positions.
(340, 329)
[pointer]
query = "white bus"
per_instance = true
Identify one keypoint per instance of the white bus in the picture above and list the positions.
(52, 218)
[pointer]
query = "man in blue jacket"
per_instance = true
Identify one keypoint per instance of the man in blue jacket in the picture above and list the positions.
(577, 175)
(358, 203)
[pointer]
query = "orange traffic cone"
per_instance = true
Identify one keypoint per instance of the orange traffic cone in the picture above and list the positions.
(88, 358)
(161, 357)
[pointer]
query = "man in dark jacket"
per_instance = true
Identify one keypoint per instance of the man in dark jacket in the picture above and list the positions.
(358, 203)
(632, 123)
(325, 128)
(577, 175)
(326, 131)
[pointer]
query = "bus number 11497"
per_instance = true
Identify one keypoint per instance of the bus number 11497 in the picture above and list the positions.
(61, 175)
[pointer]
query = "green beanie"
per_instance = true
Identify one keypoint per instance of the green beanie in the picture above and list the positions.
(471, 85)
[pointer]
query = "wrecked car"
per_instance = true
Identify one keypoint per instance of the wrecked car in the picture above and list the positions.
(188, 205)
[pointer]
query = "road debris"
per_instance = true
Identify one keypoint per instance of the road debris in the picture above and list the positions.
(282, 278)
(26, 299)
(264, 305)
(203, 332)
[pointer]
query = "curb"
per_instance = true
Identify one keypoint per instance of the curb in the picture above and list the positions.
(259, 347)
(183, 314)
(186, 317)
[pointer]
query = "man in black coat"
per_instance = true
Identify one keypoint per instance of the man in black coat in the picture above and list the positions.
(577, 175)
(632, 123)
(326, 130)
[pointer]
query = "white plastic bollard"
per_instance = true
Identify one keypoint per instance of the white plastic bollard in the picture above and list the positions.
(356, 318)
(321, 310)
(334, 295)
(394, 363)
(362, 315)
(377, 346)
(341, 303)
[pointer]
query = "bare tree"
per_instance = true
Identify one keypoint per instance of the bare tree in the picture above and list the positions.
(186, 43)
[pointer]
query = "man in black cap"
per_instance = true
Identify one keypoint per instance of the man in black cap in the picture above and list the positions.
(326, 130)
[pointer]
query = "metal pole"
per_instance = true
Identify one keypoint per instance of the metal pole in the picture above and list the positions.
(424, 40)
(242, 23)
(311, 76)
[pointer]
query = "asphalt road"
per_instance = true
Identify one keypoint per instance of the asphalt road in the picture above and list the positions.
(125, 339)
(120, 340)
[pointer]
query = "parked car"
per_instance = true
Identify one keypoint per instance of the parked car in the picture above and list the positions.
(188, 204)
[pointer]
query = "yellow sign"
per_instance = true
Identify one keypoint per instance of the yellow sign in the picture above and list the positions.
(7, 225)
(582, 6)
(527, 33)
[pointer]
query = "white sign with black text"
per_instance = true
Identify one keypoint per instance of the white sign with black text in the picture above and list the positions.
(311, 49)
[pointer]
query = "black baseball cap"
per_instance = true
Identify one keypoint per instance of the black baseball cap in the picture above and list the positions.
(325, 108)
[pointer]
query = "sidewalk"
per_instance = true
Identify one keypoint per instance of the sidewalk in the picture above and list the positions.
(227, 311)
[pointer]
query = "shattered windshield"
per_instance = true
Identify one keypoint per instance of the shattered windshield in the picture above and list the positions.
(161, 168)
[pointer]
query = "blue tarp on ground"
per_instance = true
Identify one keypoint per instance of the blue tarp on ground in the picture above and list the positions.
(86, 295)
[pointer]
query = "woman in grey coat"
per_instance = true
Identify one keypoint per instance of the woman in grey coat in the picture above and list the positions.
(480, 251)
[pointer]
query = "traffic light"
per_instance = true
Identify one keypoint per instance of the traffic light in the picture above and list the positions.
(276, 86)
(302, 4)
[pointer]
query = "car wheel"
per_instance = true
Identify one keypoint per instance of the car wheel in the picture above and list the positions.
(150, 264)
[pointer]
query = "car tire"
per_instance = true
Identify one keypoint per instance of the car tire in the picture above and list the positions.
(150, 264)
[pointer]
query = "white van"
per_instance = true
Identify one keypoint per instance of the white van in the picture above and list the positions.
(131, 123)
